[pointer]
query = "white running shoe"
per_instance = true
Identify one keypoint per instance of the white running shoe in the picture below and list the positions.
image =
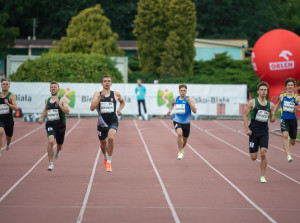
(56, 154)
(7, 147)
(289, 158)
(50, 167)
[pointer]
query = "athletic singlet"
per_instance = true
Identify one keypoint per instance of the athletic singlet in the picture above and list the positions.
(5, 111)
(54, 114)
(288, 107)
(259, 117)
(182, 111)
(107, 110)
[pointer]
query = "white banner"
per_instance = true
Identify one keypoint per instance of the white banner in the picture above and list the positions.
(209, 99)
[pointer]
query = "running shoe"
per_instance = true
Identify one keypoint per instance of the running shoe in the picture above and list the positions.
(50, 167)
(289, 158)
(0, 152)
(7, 147)
(105, 162)
(180, 156)
(263, 179)
(56, 154)
(108, 167)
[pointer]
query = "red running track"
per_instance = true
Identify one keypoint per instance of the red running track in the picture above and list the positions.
(215, 182)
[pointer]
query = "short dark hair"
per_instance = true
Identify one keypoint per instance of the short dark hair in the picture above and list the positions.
(289, 80)
(182, 86)
(54, 82)
(105, 76)
(262, 83)
(5, 79)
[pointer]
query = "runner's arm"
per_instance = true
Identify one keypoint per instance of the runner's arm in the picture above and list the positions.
(171, 107)
(191, 102)
(13, 101)
(278, 103)
(63, 105)
(272, 112)
(44, 113)
(96, 100)
(250, 106)
(122, 103)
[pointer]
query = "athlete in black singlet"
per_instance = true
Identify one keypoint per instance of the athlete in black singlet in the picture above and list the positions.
(107, 125)
(55, 109)
(8, 103)
(258, 130)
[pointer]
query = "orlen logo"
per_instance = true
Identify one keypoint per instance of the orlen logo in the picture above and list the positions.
(283, 65)
(163, 97)
(70, 95)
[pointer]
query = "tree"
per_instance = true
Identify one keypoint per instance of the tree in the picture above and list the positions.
(7, 34)
(177, 59)
(151, 32)
(90, 32)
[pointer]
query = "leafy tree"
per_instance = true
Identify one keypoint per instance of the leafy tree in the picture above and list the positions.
(7, 34)
(90, 32)
(121, 13)
(177, 59)
(290, 17)
(237, 19)
(69, 67)
(151, 32)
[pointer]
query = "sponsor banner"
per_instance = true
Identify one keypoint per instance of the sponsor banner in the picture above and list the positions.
(208, 98)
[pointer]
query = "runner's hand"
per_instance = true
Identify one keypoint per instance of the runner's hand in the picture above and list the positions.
(119, 113)
(168, 114)
(248, 132)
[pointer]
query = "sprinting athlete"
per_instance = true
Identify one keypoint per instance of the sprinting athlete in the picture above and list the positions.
(105, 102)
(288, 101)
(8, 103)
(184, 106)
(56, 108)
(258, 130)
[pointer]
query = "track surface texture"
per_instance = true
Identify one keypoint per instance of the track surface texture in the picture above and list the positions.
(216, 181)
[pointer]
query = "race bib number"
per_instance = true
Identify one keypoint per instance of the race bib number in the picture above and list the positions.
(4, 109)
(288, 106)
(107, 107)
(53, 114)
(262, 116)
(180, 108)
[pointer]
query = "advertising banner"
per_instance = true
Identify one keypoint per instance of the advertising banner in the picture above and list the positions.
(209, 99)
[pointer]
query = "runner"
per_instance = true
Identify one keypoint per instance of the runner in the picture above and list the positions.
(288, 101)
(183, 107)
(105, 102)
(56, 108)
(258, 131)
(8, 103)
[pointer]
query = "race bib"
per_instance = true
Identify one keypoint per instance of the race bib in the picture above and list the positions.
(180, 108)
(262, 116)
(107, 107)
(288, 106)
(4, 109)
(53, 114)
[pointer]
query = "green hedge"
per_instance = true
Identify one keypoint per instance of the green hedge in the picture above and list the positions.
(67, 67)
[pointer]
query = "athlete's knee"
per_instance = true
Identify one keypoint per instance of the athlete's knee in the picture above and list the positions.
(110, 139)
(253, 156)
(51, 140)
(179, 134)
(292, 141)
(285, 135)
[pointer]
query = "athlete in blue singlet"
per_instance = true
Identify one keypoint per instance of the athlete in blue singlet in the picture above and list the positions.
(8, 103)
(258, 130)
(288, 102)
(107, 125)
(184, 105)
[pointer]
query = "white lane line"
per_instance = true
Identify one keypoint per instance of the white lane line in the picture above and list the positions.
(31, 169)
(87, 194)
(24, 136)
(212, 135)
(171, 206)
(227, 180)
